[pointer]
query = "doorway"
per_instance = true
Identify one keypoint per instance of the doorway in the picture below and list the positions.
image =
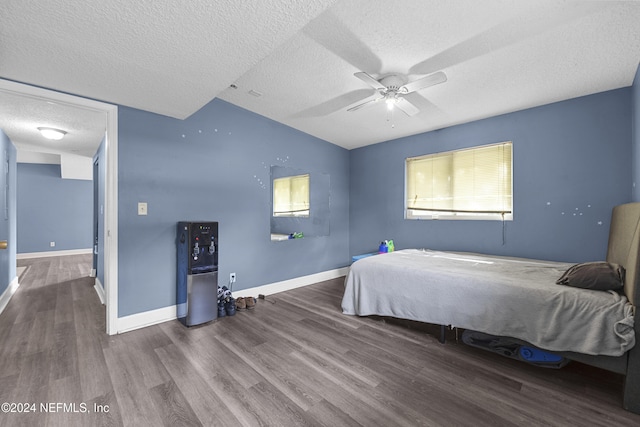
(110, 159)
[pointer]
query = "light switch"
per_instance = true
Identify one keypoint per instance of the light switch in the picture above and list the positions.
(142, 208)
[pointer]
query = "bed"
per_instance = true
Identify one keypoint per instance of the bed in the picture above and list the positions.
(517, 298)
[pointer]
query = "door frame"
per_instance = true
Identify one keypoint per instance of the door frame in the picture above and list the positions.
(111, 182)
(96, 215)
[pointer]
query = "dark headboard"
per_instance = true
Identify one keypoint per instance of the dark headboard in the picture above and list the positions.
(624, 247)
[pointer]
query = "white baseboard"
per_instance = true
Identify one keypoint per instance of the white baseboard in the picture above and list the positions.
(100, 290)
(8, 293)
(287, 285)
(147, 318)
(153, 317)
(54, 253)
(93, 273)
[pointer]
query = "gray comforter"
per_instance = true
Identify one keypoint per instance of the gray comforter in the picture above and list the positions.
(497, 295)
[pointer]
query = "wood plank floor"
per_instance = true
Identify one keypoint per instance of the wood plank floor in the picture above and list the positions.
(293, 360)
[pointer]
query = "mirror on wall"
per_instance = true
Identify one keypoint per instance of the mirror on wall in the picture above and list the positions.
(299, 203)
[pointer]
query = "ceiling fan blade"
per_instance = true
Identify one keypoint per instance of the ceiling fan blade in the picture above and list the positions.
(425, 82)
(407, 107)
(330, 106)
(364, 104)
(370, 80)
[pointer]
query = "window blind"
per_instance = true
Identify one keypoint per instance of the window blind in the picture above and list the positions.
(475, 181)
(291, 196)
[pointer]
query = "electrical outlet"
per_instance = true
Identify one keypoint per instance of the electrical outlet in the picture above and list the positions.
(232, 278)
(52, 244)
(142, 208)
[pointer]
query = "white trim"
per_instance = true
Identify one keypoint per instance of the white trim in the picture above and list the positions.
(287, 285)
(100, 291)
(8, 293)
(153, 317)
(147, 318)
(111, 220)
(29, 255)
(111, 196)
(93, 273)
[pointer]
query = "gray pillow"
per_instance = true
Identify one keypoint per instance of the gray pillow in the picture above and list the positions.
(599, 275)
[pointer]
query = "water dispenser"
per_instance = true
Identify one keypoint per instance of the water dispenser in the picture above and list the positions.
(197, 281)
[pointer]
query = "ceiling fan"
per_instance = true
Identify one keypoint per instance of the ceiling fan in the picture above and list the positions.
(394, 87)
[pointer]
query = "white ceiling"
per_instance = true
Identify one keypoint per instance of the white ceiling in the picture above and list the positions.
(172, 57)
(20, 117)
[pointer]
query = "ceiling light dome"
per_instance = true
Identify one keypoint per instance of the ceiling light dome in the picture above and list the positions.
(52, 133)
(391, 98)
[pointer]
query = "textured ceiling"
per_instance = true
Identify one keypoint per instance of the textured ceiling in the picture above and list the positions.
(172, 57)
(499, 57)
(166, 56)
(20, 117)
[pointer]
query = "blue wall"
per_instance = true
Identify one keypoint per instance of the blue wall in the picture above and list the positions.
(635, 129)
(52, 209)
(571, 165)
(8, 212)
(215, 166)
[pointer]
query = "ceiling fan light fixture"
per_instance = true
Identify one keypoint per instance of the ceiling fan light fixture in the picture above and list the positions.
(394, 87)
(390, 99)
(52, 133)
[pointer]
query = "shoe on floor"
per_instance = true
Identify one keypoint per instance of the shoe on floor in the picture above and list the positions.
(241, 304)
(250, 302)
(230, 307)
(221, 309)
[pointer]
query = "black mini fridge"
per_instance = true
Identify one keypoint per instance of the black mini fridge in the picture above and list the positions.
(197, 281)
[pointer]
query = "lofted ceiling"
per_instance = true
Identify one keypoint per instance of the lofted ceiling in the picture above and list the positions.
(294, 61)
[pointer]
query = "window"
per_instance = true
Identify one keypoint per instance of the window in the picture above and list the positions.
(291, 196)
(464, 184)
